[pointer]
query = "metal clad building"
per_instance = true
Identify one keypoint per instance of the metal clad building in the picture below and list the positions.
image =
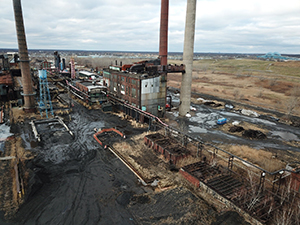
(140, 90)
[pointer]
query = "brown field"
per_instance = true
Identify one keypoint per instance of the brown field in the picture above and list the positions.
(266, 84)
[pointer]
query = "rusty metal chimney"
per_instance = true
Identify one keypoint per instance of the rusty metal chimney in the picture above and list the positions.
(163, 41)
(28, 93)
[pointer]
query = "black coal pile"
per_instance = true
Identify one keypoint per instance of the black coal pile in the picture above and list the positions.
(235, 129)
(230, 218)
(76, 181)
(254, 134)
(212, 104)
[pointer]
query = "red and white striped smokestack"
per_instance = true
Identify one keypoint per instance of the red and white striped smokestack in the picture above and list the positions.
(163, 40)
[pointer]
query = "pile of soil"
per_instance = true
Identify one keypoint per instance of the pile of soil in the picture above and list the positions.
(234, 129)
(213, 104)
(295, 122)
(255, 134)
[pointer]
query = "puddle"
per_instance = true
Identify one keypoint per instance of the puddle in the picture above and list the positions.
(4, 132)
(195, 129)
(286, 136)
(2, 144)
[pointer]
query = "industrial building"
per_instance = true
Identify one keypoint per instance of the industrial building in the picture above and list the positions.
(142, 85)
(89, 91)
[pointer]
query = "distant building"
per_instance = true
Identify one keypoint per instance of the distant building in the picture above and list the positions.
(46, 65)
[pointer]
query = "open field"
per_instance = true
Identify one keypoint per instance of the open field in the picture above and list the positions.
(267, 84)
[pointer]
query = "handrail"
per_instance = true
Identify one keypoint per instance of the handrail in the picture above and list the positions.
(208, 144)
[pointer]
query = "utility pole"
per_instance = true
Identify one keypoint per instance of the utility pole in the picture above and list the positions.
(28, 93)
(188, 56)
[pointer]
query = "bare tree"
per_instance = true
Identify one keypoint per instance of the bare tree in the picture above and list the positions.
(255, 191)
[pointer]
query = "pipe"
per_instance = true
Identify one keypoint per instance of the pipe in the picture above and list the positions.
(67, 128)
(28, 93)
(141, 111)
(35, 132)
(1, 115)
(163, 40)
(188, 55)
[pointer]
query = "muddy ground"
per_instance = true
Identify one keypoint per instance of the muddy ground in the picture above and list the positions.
(75, 181)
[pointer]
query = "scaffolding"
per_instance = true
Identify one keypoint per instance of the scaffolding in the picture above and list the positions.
(45, 103)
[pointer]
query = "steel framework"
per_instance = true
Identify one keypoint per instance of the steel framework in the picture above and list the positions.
(45, 103)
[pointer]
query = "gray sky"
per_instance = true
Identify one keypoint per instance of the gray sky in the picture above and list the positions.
(243, 26)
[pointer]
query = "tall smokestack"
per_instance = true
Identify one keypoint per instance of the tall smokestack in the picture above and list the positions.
(163, 41)
(188, 55)
(29, 103)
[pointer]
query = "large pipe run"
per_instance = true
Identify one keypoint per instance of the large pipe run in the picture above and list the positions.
(28, 93)
(163, 40)
(188, 55)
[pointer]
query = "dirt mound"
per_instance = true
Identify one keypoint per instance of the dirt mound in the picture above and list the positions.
(212, 104)
(234, 129)
(295, 122)
(255, 134)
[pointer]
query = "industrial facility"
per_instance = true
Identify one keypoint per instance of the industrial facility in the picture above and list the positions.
(142, 85)
(45, 101)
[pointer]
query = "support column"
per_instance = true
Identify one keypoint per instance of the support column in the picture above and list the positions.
(188, 55)
(28, 93)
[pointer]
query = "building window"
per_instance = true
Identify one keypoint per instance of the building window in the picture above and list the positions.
(115, 87)
(133, 81)
(122, 79)
(133, 92)
(122, 90)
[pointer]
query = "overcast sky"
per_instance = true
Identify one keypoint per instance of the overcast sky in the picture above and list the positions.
(233, 26)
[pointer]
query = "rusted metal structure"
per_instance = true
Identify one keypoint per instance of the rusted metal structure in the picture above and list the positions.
(6, 85)
(100, 135)
(28, 93)
(163, 41)
(240, 184)
(166, 146)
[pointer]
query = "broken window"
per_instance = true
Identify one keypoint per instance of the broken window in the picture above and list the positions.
(133, 92)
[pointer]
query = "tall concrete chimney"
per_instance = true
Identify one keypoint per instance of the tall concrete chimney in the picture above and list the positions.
(28, 93)
(163, 40)
(188, 55)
